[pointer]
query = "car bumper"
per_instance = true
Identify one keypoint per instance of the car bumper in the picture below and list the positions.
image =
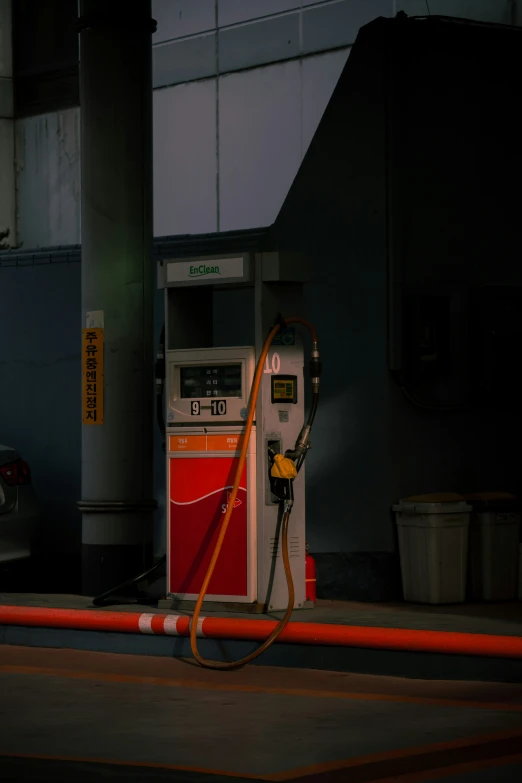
(16, 536)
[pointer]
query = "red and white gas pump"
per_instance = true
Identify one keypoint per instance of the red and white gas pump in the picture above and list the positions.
(236, 439)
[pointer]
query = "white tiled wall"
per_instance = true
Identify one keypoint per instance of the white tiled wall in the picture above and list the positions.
(320, 74)
(237, 11)
(179, 18)
(259, 143)
(267, 118)
(267, 115)
(185, 195)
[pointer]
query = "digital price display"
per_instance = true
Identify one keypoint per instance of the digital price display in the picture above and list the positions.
(284, 388)
(221, 380)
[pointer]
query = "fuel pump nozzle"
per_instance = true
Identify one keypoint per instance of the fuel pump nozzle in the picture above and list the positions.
(282, 474)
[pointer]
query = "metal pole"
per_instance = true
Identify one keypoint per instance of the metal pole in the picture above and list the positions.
(117, 288)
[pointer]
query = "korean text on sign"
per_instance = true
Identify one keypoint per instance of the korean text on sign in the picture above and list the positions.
(92, 376)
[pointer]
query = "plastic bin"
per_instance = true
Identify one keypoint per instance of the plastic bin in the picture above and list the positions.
(494, 547)
(433, 547)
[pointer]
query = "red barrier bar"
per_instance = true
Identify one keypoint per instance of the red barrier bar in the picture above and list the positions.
(441, 642)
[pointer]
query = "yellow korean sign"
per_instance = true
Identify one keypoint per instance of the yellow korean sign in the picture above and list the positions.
(92, 376)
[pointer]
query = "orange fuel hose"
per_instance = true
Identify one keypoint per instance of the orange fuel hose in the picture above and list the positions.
(226, 519)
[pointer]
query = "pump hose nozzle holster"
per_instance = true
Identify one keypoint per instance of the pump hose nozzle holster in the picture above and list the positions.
(282, 475)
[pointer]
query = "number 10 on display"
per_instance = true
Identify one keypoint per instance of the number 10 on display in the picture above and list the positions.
(217, 407)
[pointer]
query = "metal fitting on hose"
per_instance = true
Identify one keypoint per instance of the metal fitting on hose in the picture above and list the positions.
(298, 453)
(315, 368)
(304, 437)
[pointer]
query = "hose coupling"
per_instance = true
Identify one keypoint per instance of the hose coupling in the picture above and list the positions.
(301, 445)
(315, 367)
(304, 437)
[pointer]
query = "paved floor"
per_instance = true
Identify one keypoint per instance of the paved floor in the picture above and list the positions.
(70, 715)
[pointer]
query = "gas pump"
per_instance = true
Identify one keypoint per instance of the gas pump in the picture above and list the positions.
(236, 441)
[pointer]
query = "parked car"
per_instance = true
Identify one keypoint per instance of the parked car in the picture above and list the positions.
(19, 508)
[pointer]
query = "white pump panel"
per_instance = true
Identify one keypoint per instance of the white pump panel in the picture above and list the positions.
(209, 386)
(204, 440)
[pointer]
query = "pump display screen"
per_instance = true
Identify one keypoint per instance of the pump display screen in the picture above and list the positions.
(284, 388)
(217, 380)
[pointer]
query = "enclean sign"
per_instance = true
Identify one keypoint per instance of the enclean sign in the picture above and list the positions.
(215, 270)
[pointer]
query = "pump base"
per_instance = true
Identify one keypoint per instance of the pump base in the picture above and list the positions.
(174, 604)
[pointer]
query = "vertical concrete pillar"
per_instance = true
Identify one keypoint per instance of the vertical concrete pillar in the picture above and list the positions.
(7, 168)
(117, 284)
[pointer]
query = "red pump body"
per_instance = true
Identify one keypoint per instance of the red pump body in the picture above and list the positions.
(311, 578)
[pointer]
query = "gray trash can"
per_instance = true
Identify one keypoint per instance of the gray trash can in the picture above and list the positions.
(433, 546)
(494, 546)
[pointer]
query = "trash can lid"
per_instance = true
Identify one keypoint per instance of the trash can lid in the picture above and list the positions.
(436, 503)
(490, 497)
(492, 500)
(437, 497)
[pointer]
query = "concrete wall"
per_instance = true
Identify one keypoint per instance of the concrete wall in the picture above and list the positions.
(48, 179)
(7, 178)
(457, 225)
(196, 40)
(40, 387)
(336, 213)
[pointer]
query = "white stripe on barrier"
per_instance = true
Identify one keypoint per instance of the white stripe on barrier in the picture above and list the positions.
(170, 624)
(145, 623)
(199, 631)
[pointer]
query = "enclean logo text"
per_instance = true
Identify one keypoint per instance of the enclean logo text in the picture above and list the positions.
(203, 269)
